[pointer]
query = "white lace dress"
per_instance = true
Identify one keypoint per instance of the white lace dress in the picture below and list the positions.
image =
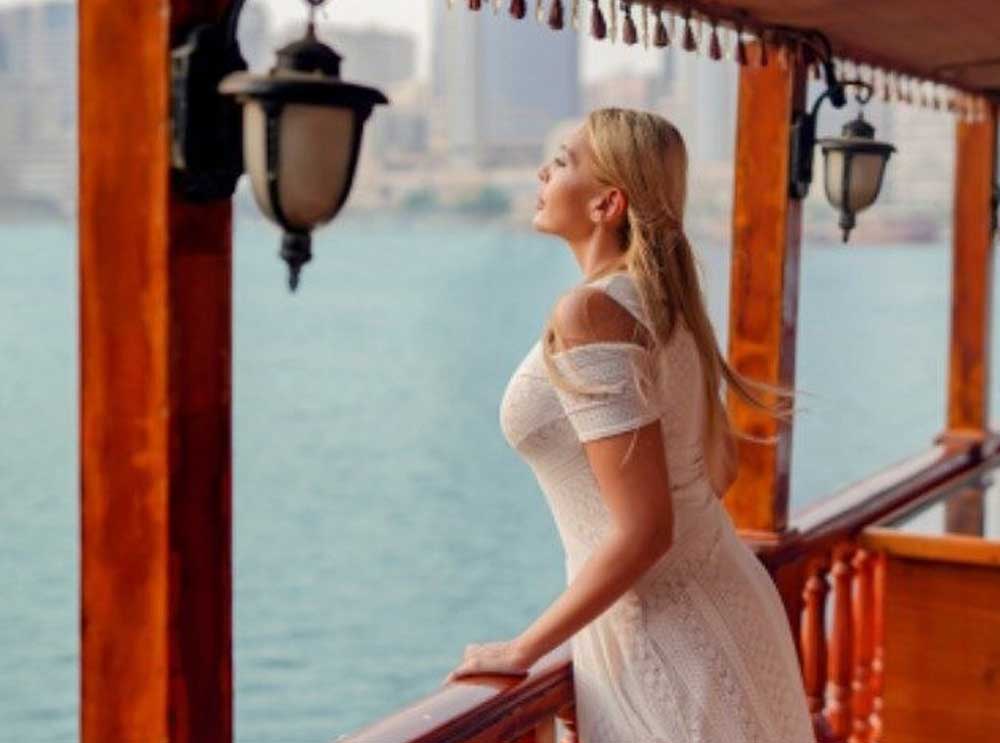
(699, 649)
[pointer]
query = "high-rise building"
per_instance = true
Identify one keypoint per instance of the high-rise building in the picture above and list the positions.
(501, 83)
(38, 103)
(714, 107)
(371, 55)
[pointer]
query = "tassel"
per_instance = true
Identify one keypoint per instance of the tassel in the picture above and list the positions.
(518, 8)
(539, 9)
(475, 4)
(741, 49)
(496, 6)
(556, 15)
(714, 49)
(613, 25)
(629, 35)
(763, 48)
(690, 44)
(660, 36)
(728, 38)
(575, 15)
(598, 28)
(937, 97)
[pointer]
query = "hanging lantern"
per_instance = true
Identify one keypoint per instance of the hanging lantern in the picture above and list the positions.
(302, 128)
(853, 165)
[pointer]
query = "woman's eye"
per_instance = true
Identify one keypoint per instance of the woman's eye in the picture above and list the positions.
(558, 161)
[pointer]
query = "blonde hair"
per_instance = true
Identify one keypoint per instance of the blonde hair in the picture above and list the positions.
(644, 155)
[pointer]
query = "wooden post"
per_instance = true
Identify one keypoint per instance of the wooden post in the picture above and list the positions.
(971, 294)
(764, 281)
(155, 330)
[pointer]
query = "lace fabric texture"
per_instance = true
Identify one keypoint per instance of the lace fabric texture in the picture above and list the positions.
(699, 649)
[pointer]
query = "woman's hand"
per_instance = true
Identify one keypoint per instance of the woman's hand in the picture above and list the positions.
(491, 657)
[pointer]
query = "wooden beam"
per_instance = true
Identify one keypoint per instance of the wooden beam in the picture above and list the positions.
(971, 298)
(972, 274)
(764, 282)
(155, 330)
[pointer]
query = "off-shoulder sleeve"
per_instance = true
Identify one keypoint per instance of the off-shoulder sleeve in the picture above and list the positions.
(628, 371)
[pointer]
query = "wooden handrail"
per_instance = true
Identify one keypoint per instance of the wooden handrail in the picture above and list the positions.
(907, 484)
(483, 709)
(498, 709)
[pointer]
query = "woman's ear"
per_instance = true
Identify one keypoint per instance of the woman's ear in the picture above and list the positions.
(609, 206)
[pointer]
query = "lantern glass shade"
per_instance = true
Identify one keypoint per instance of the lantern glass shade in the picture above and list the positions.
(852, 178)
(315, 147)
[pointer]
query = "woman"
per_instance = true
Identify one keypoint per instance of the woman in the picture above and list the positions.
(678, 634)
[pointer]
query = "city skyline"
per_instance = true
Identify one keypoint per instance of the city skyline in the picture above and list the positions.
(598, 59)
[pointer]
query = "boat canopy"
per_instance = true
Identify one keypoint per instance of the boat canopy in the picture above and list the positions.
(921, 52)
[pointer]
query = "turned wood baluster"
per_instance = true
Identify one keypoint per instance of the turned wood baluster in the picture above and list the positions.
(838, 711)
(813, 644)
(567, 716)
(878, 595)
(863, 606)
(543, 732)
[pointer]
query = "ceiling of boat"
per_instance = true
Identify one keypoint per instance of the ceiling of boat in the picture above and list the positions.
(955, 42)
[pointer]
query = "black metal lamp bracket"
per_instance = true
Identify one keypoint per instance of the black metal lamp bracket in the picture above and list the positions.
(803, 130)
(206, 127)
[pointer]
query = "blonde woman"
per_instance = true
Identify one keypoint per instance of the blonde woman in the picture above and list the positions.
(678, 634)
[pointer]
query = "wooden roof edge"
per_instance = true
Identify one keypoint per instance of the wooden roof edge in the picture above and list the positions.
(736, 18)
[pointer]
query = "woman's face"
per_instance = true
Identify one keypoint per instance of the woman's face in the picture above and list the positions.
(567, 190)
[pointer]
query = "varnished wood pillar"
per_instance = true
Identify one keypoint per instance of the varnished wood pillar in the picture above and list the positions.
(155, 331)
(971, 296)
(764, 282)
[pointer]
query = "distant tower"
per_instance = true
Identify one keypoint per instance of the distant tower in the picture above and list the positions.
(502, 83)
(256, 36)
(38, 104)
(714, 107)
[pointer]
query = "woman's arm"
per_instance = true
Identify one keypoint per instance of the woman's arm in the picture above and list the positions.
(631, 473)
(638, 497)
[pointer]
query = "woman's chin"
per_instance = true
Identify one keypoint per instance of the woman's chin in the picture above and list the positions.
(538, 222)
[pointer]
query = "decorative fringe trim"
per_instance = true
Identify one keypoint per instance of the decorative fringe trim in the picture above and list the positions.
(741, 49)
(660, 37)
(791, 48)
(629, 34)
(714, 49)
(556, 15)
(690, 45)
(598, 28)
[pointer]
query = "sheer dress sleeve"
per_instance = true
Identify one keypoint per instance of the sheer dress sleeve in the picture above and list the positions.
(627, 371)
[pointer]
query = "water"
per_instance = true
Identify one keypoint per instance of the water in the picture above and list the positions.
(381, 521)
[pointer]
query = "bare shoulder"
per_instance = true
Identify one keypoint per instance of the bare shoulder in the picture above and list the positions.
(588, 314)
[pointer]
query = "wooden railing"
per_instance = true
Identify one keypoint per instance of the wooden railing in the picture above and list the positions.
(819, 569)
(826, 578)
(487, 710)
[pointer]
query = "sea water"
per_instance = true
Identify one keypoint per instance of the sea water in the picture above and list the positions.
(381, 522)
